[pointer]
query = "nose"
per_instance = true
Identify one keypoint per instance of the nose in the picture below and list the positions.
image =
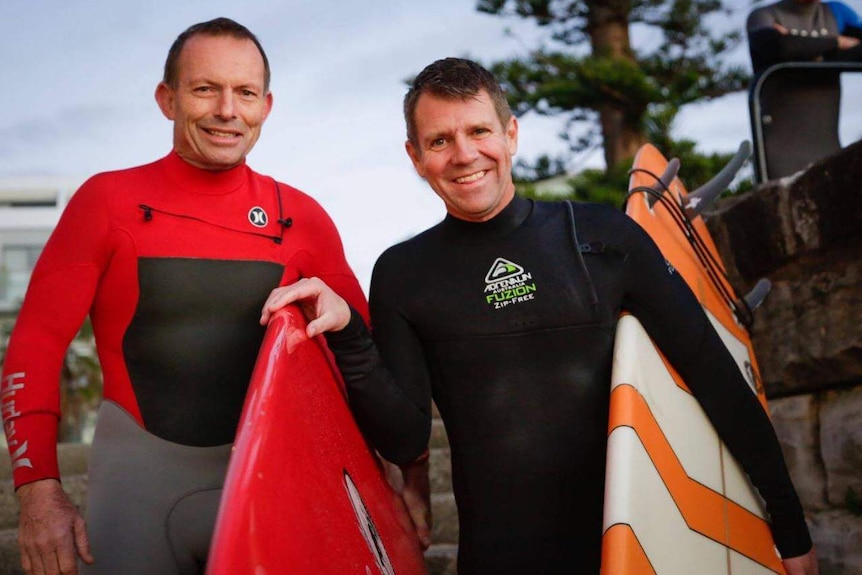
(465, 151)
(225, 105)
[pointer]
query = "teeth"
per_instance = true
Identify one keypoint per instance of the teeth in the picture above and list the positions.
(471, 177)
(221, 134)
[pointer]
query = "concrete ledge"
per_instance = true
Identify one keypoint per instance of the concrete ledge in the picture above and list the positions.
(10, 559)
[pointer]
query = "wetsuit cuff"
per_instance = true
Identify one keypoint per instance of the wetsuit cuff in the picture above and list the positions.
(33, 458)
(354, 328)
(793, 544)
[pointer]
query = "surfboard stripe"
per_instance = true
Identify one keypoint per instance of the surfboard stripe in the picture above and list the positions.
(623, 550)
(703, 509)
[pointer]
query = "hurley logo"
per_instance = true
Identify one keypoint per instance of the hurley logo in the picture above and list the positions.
(257, 217)
(508, 283)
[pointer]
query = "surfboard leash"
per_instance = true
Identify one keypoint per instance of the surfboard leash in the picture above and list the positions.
(714, 270)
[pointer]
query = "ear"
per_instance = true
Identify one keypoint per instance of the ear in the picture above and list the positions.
(415, 157)
(512, 135)
(268, 106)
(165, 97)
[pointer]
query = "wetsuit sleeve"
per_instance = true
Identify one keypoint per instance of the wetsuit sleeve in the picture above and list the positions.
(61, 290)
(768, 46)
(847, 19)
(323, 254)
(395, 425)
(686, 337)
(849, 24)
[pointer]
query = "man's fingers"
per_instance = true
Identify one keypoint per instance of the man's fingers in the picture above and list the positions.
(36, 565)
(422, 523)
(420, 514)
(26, 562)
(303, 289)
(326, 322)
(82, 542)
(67, 561)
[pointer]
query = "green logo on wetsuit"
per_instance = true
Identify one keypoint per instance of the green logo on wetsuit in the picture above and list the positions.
(507, 283)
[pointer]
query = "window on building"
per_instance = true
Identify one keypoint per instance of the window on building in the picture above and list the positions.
(18, 263)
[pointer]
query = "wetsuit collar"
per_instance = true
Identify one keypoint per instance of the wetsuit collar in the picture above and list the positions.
(800, 9)
(200, 181)
(512, 216)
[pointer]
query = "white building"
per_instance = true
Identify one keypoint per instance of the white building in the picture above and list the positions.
(30, 207)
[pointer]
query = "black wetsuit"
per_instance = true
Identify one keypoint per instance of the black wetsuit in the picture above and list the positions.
(511, 328)
(800, 107)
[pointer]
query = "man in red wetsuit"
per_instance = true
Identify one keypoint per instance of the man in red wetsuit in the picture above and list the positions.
(173, 261)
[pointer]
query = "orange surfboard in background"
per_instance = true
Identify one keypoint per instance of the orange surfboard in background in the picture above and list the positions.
(676, 502)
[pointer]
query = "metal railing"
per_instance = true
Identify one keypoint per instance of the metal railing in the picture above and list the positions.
(756, 112)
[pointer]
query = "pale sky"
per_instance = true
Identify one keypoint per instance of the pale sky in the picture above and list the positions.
(79, 77)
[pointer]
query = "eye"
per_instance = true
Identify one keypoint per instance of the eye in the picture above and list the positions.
(481, 131)
(437, 143)
(248, 93)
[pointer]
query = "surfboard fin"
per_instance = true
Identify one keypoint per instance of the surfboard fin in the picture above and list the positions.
(752, 300)
(665, 180)
(698, 200)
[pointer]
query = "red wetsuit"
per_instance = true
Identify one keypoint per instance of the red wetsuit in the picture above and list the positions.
(173, 264)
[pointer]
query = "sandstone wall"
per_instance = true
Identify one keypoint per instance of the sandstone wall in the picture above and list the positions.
(804, 233)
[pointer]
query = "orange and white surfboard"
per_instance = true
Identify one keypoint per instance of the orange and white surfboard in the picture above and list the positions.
(676, 502)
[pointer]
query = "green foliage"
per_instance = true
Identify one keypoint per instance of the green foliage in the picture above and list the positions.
(587, 67)
(80, 379)
(610, 186)
(591, 185)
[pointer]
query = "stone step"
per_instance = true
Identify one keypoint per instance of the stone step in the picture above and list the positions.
(444, 529)
(438, 434)
(10, 558)
(440, 470)
(442, 559)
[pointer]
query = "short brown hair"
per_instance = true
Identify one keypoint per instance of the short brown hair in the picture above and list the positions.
(454, 78)
(216, 27)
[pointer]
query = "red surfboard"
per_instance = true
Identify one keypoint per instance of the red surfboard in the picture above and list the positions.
(304, 493)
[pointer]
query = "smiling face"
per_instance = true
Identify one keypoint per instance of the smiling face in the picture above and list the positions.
(219, 102)
(465, 154)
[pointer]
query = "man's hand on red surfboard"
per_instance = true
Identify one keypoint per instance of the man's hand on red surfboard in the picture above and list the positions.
(51, 532)
(802, 565)
(324, 309)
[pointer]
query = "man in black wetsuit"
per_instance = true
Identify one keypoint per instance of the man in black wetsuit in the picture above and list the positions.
(800, 107)
(498, 314)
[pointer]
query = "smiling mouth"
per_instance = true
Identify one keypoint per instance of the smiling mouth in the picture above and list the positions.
(471, 178)
(220, 134)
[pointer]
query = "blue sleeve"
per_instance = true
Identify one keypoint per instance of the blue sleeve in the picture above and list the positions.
(844, 16)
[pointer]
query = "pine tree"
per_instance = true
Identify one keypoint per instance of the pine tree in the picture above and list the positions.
(589, 72)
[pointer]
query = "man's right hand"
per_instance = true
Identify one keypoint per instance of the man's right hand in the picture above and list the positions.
(51, 532)
(847, 42)
(324, 309)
